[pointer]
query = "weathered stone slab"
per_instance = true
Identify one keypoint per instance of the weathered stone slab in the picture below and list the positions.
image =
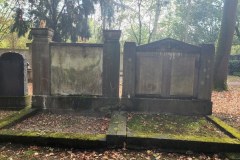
(79, 103)
(15, 102)
(76, 70)
(13, 75)
(111, 63)
(205, 82)
(170, 106)
(149, 73)
(168, 76)
(129, 69)
(116, 134)
(183, 75)
(180, 145)
(41, 60)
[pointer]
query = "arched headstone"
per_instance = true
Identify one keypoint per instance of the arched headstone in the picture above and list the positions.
(13, 75)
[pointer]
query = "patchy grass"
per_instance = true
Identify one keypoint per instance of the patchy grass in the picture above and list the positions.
(172, 125)
(53, 135)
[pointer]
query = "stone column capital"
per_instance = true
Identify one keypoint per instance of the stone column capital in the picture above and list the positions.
(111, 35)
(42, 33)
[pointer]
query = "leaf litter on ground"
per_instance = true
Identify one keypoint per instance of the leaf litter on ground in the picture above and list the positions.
(6, 113)
(225, 104)
(64, 123)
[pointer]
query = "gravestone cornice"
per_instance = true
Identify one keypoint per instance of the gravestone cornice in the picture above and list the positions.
(42, 33)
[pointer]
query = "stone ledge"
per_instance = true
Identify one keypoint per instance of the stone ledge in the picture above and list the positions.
(12, 102)
(116, 137)
(116, 133)
(17, 117)
(222, 125)
(168, 106)
(77, 103)
(181, 145)
(74, 140)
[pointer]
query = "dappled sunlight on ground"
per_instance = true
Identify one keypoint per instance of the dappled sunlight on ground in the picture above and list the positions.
(228, 102)
(30, 88)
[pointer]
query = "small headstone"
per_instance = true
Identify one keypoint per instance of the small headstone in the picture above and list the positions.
(13, 75)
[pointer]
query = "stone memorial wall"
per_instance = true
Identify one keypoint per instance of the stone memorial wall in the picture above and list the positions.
(168, 76)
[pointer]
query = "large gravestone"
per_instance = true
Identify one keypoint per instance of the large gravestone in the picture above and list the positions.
(13, 80)
(75, 76)
(168, 76)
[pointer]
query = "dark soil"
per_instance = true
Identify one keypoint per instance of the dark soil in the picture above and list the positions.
(65, 123)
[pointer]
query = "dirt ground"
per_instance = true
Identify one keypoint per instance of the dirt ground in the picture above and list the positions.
(65, 123)
(5, 114)
(226, 105)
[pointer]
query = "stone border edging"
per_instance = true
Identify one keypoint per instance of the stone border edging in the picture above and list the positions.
(16, 117)
(232, 131)
(117, 136)
(9, 102)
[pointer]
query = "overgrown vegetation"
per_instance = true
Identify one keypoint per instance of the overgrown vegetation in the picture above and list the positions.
(172, 125)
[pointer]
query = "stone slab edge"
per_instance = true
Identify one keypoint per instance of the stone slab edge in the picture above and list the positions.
(230, 130)
(116, 137)
(77, 103)
(116, 134)
(49, 139)
(54, 139)
(180, 145)
(168, 106)
(16, 117)
(12, 102)
(233, 156)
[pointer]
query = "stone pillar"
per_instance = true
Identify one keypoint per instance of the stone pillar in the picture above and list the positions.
(206, 72)
(129, 69)
(111, 63)
(41, 60)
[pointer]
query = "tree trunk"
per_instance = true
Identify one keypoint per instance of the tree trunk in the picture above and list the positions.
(224, 44)
(139, 22)
(156, 19)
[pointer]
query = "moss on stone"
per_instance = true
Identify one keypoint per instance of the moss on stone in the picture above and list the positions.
(226, 127)
(13, 101)
(173, 125)
(187, 138)
(53, 135)
(16, 116)
(233, 156)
